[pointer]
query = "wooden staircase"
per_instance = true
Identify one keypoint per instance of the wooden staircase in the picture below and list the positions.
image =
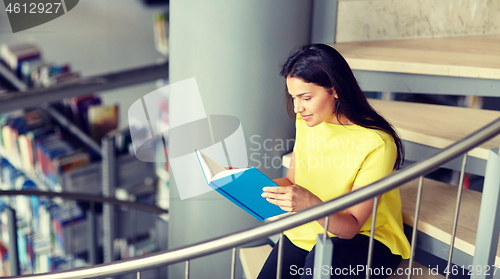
(437, 210)
(435, 126)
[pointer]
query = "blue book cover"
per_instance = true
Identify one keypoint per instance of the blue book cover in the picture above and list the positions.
(243, 187)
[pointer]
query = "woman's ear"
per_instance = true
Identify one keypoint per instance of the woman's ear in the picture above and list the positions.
(334, 93)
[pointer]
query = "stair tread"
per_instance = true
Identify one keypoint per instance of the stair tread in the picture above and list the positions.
(436, 125)
(466, 57)
(437, 210)
(253, 259)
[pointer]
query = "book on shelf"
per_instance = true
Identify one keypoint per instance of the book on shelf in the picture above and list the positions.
(9, 175)
(4, 264)
(14, 55)
(30, 70)
(15, 126)
(56, 155)
(161, 21)
(243, 187)
(27, 146)
(25, 62)
(102, 119)
(123, 139)
(59, 78)
(76, 108)
(37, 146)
(69, 212)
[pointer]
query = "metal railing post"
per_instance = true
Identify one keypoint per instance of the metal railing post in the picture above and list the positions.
(186, 275)
(233, 264)
(91, 234)
(488, 227)
(457, 212)
(12, 247)
(415, 224)
(372, 235)
(323, 252)
(109, 178)
(280, 257)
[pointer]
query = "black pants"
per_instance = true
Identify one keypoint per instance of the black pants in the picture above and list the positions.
(349, 260)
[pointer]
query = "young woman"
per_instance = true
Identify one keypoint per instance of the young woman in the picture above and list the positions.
(341, 144)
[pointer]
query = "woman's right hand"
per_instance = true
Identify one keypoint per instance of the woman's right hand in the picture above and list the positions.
(290, 198)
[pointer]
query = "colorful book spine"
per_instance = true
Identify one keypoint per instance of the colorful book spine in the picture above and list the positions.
(102, 119)
(79, 107)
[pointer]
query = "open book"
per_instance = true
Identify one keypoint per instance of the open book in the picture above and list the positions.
(243, 187)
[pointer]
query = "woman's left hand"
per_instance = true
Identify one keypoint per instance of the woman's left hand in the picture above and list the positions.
(290, 198)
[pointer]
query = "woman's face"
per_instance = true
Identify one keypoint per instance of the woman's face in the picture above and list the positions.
(312, 101)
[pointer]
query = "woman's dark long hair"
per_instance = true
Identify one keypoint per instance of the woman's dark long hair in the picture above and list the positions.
(324, 66)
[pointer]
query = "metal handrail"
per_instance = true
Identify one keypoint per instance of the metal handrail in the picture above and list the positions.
(313, 213)
(85, 197)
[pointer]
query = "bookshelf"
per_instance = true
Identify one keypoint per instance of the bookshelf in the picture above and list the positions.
(12, 79)
(83, 86)
(103, 177)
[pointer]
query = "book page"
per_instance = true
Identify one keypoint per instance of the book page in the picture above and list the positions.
(209, 166)
(227, 173)
(278, 216)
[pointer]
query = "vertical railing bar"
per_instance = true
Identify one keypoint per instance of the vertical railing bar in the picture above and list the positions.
(372, 235)
(187, 270)
(457, 211)
(92, 234)
(325, 235)
(138, 275)
(73, 244)
(134, 213)
(32, 235)
(233, 264)
(51, 228)
(415, 224)
(12, 248)
(280, 257)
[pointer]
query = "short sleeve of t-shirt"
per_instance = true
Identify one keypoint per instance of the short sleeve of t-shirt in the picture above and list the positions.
(378, 164)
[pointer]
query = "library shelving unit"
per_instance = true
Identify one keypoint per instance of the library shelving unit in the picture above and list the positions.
(112, 174)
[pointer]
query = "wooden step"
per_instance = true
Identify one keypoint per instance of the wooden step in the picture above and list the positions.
(437, 211)
(437, 126)
(470, 56)
(253, 259)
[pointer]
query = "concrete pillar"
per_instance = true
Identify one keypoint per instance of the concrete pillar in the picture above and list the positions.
(234, 49)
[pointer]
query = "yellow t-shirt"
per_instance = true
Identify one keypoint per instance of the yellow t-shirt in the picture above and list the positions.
(330, 159)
